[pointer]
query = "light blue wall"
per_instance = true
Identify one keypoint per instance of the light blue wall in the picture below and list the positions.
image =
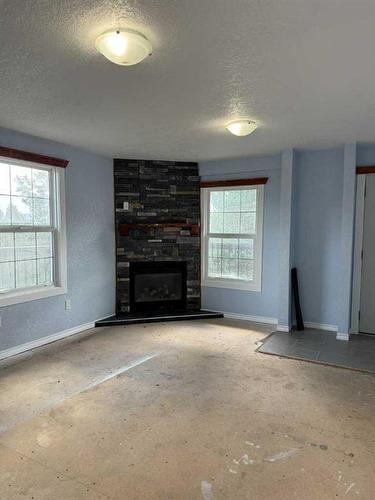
(90, 245)
(315, 239)
(317, 232)
(264, 303)
(321, 235)
(347, 238)
(286, 250)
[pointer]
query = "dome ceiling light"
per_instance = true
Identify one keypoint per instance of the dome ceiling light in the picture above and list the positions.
(241, 127)
(123, 47)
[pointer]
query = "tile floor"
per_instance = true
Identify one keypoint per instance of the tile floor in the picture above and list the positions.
(322, 347)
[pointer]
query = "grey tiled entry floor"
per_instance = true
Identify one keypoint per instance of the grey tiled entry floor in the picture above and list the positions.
(322, 347)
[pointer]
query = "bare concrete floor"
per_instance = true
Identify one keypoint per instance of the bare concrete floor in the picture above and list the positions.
(183, 410)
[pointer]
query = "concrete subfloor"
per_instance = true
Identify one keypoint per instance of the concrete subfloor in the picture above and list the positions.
(184, 410)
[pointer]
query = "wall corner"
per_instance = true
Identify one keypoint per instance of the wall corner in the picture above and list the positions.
(347, 238)
(285, 254)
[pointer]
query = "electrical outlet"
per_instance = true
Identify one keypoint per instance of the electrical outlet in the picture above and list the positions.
(67, 305)
(125, 205)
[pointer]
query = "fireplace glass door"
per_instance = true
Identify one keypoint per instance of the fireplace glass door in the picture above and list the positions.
(157, 286)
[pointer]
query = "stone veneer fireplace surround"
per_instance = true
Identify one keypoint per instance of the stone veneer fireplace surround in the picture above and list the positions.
(157, 207)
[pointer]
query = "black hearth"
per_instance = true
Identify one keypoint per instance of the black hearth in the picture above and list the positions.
(157, 286)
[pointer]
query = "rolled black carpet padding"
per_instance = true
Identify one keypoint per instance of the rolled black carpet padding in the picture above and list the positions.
(297, 305)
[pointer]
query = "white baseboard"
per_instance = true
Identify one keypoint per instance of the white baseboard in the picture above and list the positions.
(246, 317)
(283, 328)
(273, 321)
(342, 336)
(13, 351)
(321, 326)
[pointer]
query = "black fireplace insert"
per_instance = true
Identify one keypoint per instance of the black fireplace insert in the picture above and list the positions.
(157, 286)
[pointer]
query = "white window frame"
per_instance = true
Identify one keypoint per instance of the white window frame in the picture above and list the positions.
(236, 284)
(57, 200)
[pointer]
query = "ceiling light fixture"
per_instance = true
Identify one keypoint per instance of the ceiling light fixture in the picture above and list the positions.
(241, 127)
(124, 47)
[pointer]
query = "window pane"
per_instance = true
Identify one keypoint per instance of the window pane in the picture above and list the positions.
(216, 223)
(246, 248)
(230, 268)
(4, 210)
(40, 183)
(21, 181)
(216, 201)
(22, 211)
(4, 179)
(232, 201)
(26, 258)
(44, 267)
(214, 247)
(214, 268)
(230, 248)
(44, 244)
(25, 273)
(231, 223)
(6, 247)
(25, 246)
(6, 275)
(41, 212)
(248, 223)
(246, 270)
(248, 200)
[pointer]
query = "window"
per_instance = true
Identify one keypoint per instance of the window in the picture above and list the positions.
(32, 233)
(232, 237)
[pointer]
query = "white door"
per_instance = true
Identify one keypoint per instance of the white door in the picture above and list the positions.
(367, 309)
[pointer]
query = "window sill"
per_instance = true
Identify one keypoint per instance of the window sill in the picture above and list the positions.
(8, 299)
(232, 285)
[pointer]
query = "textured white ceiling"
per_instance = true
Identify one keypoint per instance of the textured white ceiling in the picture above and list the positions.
(303, 69)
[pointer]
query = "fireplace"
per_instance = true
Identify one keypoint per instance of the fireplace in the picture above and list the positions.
(158, 244)
(157, 286)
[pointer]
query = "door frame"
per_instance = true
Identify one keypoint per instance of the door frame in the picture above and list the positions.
(357, 255)
(362, 173)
